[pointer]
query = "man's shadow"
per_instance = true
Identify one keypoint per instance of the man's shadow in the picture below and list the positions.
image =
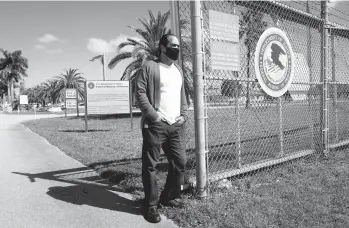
(95, 197)
(90, 191)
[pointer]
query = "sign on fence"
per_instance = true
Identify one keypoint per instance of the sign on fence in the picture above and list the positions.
(223, 26)
(225, 56)
(274, 62)
(224, 41)
(23, 99)
(108, 97)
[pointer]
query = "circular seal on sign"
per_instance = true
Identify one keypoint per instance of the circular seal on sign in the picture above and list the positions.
(91, 85)
(274, 61)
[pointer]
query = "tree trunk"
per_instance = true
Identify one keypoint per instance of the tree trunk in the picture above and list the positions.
(248, 78)
(9, 92)
(12, 91)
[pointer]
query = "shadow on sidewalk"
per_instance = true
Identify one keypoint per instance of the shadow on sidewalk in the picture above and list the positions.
(95, 197)
(88, 189)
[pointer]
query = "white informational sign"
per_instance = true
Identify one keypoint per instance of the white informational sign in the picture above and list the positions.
(223, 26)
(70, 94)
(224, 41)
(108, 97)
(23, 99)
(274, 62)
(225, 56)
(71, 103)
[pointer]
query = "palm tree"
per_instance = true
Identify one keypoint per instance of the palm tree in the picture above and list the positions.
(37, 94)
(15, 69)
(251, 28)
(71, 78)
(48, 92)
(5, 62)
(3, 89)
(146, 48)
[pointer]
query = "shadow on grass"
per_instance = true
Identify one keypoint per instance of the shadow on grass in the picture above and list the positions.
(88, 189)
(83, 131)
(106, 117)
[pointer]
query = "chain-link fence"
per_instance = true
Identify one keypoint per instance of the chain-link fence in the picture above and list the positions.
(339, 88)
(247, 129)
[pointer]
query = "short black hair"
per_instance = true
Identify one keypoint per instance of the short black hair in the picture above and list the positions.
(164, 39)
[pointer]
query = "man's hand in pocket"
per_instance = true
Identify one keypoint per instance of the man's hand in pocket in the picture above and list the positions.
(180, 120)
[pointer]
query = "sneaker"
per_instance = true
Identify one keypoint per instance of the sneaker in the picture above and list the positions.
(172, 203)
(151, 214)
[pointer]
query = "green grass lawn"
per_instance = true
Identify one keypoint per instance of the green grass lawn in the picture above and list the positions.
(294, 195)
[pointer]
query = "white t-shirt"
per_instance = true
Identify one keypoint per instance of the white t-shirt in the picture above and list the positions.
(170, 92)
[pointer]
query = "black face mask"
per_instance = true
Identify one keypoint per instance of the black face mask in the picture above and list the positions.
(172, 53)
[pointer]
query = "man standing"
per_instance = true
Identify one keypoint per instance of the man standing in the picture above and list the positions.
(161, 98)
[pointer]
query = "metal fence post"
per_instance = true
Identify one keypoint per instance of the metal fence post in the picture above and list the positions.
(324, 15)
(311, 100)
(199, 112)
(281, 127)
(238, 140)
(65, 102)
(77, 102)
(175, 21)
(333, 57)
(104, 68)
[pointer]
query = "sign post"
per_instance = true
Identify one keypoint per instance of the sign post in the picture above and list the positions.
(86, 127)
(130, 99)
(77, 103)
(65, 104)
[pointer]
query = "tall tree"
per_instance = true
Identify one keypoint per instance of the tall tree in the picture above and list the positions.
(15, 70)
(48, 92)
(5, 62)
(70, 78)
(251, 28)
(3, 89)
(145, 48)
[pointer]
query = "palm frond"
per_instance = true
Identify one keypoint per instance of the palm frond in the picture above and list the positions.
(131, 67)
(152, 18)
(125, 44)
(146, 25)
(118, 58)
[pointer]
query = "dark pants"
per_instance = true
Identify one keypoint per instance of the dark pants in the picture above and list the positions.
(171, 139)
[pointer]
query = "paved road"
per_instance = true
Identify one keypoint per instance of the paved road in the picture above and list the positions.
(41, 187)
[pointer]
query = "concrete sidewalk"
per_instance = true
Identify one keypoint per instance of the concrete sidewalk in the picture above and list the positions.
(41, 187)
